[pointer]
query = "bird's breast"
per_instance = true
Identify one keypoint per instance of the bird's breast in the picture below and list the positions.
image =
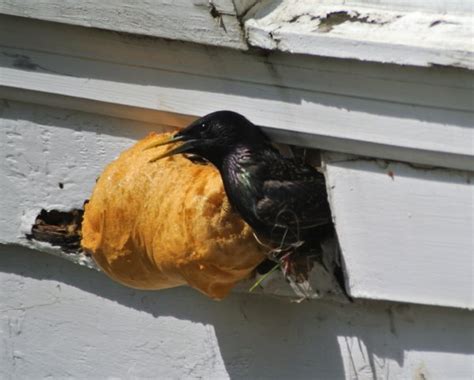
(242, 186)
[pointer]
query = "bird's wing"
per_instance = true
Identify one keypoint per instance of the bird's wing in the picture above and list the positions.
(293, 196)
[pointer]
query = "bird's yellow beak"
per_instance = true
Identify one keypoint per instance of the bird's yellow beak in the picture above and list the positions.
(184, 147)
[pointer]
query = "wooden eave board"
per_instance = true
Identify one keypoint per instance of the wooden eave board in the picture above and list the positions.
(366, 31)
(199, 21)
(411, 114)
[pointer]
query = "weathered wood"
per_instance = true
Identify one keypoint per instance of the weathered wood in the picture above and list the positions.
(406, 233)
(437, 6)
(337, 29)
(414, 114)
(406, 239)
(435, 87)
(201, 21)
(320, 120)
(384, 31)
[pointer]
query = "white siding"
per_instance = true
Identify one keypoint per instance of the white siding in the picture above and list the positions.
(73, 96)
(407, 233)
(418, 115)
(59, 320)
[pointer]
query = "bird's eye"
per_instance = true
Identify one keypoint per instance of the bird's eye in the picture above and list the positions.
(203, 128)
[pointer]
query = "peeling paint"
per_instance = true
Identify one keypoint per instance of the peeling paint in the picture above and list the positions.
(59, 228)
(332, 19)
(421, 373)
(369, 34)
(176, 20)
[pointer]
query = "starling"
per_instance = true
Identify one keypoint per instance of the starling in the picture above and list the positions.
(284, 201)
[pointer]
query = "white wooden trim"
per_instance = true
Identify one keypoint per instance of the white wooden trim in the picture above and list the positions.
(406, 233)
(444, 136)
(401, 32)
(435, 87)
(340, 30)
(431, 6)
(201, 21)
(413, 114)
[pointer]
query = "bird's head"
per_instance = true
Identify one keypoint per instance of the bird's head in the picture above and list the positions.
(213, 136)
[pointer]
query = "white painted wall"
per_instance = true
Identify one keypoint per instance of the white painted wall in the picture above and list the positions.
(60, 320)
(73, 98)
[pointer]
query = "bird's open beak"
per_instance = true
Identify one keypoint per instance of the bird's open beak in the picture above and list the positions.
(183, 148)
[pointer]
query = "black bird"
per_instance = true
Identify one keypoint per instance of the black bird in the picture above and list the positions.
(284, 202)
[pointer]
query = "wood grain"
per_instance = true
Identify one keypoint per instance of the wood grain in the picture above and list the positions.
(414, 114)
(376, 33)
(178, 19)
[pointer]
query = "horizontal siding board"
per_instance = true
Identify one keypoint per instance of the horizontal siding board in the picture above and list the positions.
(42, 147)
(66, 321)
(443, 6)
(436, 87)
(280, 135)
(406, 233)
(351, 31)
(178, 19)
(387, 32)
(404, 239)
(318, 114)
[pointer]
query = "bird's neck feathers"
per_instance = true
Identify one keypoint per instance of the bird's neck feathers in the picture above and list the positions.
(234, 153)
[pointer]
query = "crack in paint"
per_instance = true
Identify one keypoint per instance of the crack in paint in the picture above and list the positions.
(332, 19)
(34, 306)
(217, 15)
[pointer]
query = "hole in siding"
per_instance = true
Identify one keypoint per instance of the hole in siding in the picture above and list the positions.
(59, 228)
(61, 185)
(322, 249)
